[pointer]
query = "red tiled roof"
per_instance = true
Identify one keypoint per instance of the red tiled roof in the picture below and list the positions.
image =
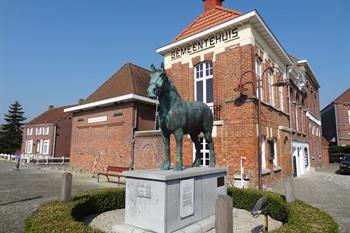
(208, 19)
(50, 116)
(129, 79)
(344, 97)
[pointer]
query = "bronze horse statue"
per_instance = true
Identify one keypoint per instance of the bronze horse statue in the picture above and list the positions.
(179, 117)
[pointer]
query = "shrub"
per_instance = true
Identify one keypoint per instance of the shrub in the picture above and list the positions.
(58, 217)
(297, 216)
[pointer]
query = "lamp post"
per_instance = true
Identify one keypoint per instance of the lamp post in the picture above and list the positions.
(259, 84)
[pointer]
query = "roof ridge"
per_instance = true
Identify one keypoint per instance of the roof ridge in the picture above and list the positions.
(189, 26)
(108, 80)
(229, 10)
(343, 93)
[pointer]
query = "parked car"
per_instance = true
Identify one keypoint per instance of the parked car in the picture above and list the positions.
(344, 164)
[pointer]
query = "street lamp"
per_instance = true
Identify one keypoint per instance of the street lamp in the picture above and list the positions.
(241, 88)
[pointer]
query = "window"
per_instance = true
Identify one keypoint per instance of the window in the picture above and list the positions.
(29, 131)
(349, 116)
(296, 117)
(205, 152)
(46, 131)
(273, 151)
(38, 146)
(46, 147)
(280, 92)
(263, 155)
(258, 78)
(271, 89)
(36, 131)
(29, 146)
(204, 82)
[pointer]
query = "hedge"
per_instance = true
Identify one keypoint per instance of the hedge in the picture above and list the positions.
(297, 216)
(57, 217)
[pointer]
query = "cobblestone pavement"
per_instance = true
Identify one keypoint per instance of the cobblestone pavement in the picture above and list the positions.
(25, 189)
(326, 190)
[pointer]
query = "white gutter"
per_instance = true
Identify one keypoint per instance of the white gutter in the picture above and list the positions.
(123, 98)
(237, 20)
(313, 119)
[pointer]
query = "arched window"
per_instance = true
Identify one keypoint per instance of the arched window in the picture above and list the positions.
(204, 82)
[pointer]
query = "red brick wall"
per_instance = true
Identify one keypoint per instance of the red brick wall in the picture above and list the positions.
(343, 124)
(63, 136)
(237, 136)
(109, 141)
(149, 150)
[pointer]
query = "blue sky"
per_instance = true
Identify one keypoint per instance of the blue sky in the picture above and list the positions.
(55, 52)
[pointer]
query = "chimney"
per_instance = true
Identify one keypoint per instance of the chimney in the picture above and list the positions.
(211, 4)
(51, 107)
(81, 101)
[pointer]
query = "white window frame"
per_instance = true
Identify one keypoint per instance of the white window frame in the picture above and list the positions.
(271, 88)
(29, 146)
(296, 117)
(349, 116)
(46, 131)
(258, 70)
(36, 131)
(46, 144)
(263, 152)
(38, 146)
(280, 92)
(204, 162)
(275, 160)
(207, 65)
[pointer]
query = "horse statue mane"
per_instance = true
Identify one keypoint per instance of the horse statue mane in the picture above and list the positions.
(179, 117)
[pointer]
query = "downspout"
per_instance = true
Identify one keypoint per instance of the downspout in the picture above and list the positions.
(135, 126)
(54, 141)
(336, 122)
(290, 118)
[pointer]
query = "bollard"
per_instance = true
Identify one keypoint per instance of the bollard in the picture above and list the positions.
(223, 214)
(66, 187)
(290, 195)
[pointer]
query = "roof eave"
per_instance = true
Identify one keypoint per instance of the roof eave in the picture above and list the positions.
(106, 102)
(235, 21)
(314, 79)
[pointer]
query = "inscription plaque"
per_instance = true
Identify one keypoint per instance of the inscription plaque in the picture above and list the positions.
(144, 191)
(186, 198)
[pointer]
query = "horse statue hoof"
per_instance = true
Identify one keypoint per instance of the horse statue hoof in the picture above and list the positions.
(165, 165)
(178, 167)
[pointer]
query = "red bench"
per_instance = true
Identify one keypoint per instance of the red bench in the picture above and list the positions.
(113, 171)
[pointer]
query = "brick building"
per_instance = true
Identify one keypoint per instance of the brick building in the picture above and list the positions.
(49, 134)
(103, 125)
(336, 120)
(223, 48)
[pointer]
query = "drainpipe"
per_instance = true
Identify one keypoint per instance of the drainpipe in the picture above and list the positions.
(336, 122)
(54, 141)
(290, 117)
(134, 128)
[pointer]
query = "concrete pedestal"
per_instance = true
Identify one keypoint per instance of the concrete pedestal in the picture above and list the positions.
(169, 201)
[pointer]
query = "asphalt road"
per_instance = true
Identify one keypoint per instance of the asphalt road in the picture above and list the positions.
(23, 190)
(326, 190)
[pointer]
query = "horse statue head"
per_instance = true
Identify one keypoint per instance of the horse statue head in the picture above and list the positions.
(159, 82)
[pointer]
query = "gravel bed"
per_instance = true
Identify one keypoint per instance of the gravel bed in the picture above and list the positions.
(243, 222)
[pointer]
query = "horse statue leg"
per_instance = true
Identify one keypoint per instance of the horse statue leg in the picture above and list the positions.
(166, 163)
(209, 139)
(179, 136)
(197, 144)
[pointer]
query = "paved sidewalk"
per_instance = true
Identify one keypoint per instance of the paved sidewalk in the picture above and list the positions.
(327, 191)
(27, 188)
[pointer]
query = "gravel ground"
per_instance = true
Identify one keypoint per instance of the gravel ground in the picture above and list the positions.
(25, 189)
(243, 222)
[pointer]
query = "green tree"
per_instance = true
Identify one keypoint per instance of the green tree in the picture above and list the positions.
(11, 132)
